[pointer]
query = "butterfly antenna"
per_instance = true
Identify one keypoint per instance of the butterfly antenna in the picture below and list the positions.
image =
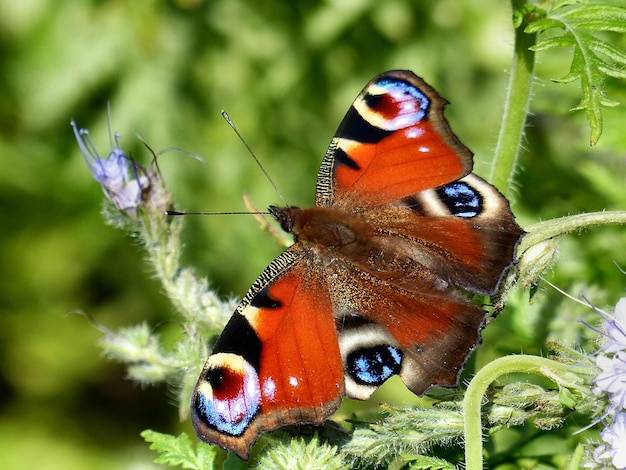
(215, 213)
(234, 128)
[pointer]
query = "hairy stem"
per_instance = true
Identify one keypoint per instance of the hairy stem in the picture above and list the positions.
(515, 108)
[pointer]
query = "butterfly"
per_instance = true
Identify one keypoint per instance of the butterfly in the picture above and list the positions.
(376, 282)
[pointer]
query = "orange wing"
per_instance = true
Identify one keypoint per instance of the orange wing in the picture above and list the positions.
(265, 369)
(393, 142)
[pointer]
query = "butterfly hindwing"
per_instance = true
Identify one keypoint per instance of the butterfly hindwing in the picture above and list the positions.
(401, 319)
(468, 230)
(424, 338)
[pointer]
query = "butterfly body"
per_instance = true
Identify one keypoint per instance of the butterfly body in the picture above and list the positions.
(339, 240)
(374, 284)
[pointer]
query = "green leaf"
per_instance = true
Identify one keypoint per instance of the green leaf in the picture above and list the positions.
(553, 42)
(611, 52)
(597, 17)
(179, 451)
(542, 24)
(612, 71)
(564, 3)
(577, 458)
(233, 462)
(423, 462)
(593, 58)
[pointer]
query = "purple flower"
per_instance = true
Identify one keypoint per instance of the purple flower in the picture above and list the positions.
(611, 382)
(615, 448)
(615, 330)
(612, 379)
(123, 188)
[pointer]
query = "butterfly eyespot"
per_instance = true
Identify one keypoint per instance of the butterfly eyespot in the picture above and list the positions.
(373, 101)
(229, 396)
(401, 104)
(373, 365)
(461, 199)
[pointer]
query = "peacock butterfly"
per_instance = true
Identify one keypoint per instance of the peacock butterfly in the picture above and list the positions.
(373, 284)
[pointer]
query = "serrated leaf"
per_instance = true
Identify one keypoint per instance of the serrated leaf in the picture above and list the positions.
(600, 16)
(543, 24)
(599, 25)
(608, 103)
(613, 71)
(563, 3)
(593, 58)
(591, 84)
(570, 77)
(567, 40)
(179, 451)
(298, 453)
(606, 49)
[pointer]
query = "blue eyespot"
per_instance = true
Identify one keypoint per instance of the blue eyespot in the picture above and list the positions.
(228, 399)
(374, 365)
(461, 199)
(400, 87)
(404, 106)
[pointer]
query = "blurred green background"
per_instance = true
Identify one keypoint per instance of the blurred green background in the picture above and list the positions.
(286, 71)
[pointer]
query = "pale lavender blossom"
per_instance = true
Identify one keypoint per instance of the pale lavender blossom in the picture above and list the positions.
(615, 329)
(615, 448)
(611, 382)
(125, 189)
(612, 379)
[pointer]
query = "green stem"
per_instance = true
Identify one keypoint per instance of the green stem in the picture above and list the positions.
(478, 386)
(515, 108)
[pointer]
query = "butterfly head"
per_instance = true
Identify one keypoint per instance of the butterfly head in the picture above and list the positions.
(286, 216)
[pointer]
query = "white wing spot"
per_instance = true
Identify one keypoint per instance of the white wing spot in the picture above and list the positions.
(414, 133)
(269, 389)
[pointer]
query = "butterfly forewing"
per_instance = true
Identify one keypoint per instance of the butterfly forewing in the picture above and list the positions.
(276, 363)
(394, 141)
